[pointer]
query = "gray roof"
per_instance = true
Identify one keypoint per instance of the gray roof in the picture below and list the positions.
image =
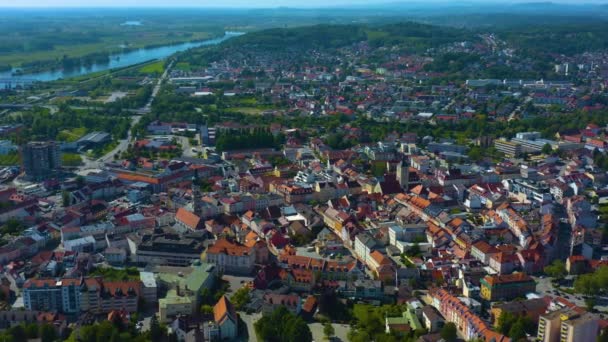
(95, 137)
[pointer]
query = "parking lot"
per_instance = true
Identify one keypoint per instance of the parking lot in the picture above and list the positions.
(544, 287)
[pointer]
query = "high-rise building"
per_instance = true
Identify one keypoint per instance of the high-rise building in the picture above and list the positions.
(41, 160)
(567, 325)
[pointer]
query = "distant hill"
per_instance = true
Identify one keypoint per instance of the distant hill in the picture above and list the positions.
(417, 36)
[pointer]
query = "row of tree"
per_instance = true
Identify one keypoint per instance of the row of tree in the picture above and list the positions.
(259, 138)
(282, 326)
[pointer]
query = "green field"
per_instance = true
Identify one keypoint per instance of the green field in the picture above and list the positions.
(71, 135)
(71, 159)
(45, 39)
(153, 68)
(246, 110)
(10, 159)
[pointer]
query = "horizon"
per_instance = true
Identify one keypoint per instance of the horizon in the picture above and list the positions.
(271, 4)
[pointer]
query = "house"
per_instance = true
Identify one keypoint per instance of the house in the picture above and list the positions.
(273, 301)
(381, 266)
(364, 244)
(187, 221)
(506, 286)
(483, 251)
(231, 257)
(431, 319)
(226, 319)
(531, 308)
(469, 325)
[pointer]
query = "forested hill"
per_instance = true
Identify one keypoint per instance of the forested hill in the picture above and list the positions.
(414, 35)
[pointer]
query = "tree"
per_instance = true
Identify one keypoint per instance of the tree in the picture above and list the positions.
(505, 321)
(65, 198)
(449, 332)
(18, 333)
(156, 333)
(517, 331)
(547, 149)
(292, 328)
(328, 330)
(557, 269)
(48, 333)
(241, 298)
(31, 330)
(206, 309)
(590, 303)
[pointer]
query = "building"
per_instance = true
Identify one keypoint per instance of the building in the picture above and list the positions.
(510, 149)
(506, 286)
(184, 285)
(431, 319)
(531, 308)
(187, 221)
(94, 139)
(231, 257)
(225, 318)
(167, 248)
(41, 160)
(75, 295)
(469, 325)
(567, 325)
(149, 288)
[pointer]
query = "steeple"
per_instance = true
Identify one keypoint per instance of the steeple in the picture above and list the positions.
(403, 175)
(197, 206)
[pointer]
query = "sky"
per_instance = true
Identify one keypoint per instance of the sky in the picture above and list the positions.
(236, 3)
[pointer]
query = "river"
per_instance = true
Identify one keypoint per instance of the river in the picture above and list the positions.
(119, 60)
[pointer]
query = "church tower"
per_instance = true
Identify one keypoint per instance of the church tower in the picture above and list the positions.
(403, 175)
(197, 206)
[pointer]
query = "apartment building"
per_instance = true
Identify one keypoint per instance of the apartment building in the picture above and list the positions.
(567, 325)
(506, 286)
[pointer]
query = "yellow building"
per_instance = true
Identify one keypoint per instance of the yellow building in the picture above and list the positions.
(506, 286)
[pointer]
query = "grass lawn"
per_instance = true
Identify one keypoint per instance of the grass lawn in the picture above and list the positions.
(71, 135)
(183, 66)
(251, 101)
(107, 148)
(10, 159)
(112, 274)
(71, 159)
(153, 68)
(246, 110)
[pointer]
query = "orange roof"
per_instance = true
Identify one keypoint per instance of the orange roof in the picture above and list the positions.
(223, 246)
(507, 278)
(310, 304)
(379, 258)
(137, 178)
(484, 247)
(188, 218)
(223, 310)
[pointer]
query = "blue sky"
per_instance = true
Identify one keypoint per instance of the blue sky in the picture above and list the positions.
(233, 3)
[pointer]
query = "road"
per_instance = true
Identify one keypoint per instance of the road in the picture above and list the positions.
(146, 109)
(124, 143)
(249, 320)
(545, 288)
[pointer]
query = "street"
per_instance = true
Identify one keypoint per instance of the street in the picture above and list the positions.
(249, 320)
(544, 287)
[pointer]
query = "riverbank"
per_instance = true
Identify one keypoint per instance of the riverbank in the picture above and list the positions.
(108, 46)
(81, 59)
(118, 61)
